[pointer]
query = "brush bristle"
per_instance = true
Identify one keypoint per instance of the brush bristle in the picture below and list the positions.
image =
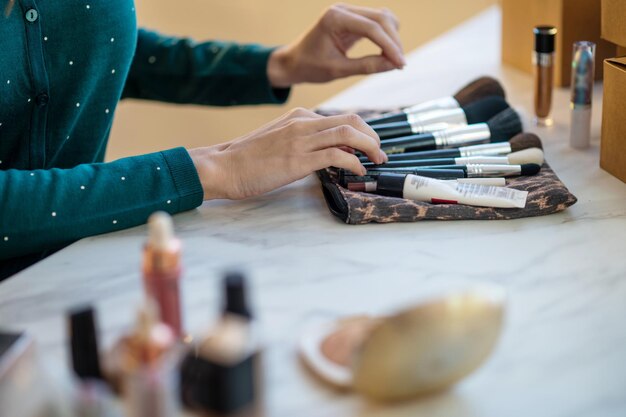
(525, 140)
(482, 110)
(479, 88)
(504, 125)
(526, 156)
(529, 169)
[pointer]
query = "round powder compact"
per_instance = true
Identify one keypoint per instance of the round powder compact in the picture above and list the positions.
(419, 350)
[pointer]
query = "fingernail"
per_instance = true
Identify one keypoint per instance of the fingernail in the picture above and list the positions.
(363, 171)
(384, 156)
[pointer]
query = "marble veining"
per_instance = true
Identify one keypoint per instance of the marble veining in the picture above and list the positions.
(562, 350)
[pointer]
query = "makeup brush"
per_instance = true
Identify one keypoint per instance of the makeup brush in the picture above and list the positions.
(346, 177)
(476, 112)
(499, 128)
(472, 170)
(479, 88)
(526, 156)
(517, 143)
(371, 186)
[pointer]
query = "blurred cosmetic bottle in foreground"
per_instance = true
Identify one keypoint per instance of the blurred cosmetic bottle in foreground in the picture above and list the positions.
(92, 397)
(222, 375)
(147, 360)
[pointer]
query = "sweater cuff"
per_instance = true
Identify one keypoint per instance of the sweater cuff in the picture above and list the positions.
(257, 61)
(185, 178)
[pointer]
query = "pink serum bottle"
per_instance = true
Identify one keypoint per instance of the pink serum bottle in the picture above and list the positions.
(162, 270)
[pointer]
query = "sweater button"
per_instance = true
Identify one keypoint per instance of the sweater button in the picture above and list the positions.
(32, 15)
(42, 99)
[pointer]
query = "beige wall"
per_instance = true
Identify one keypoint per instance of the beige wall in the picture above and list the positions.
(142, 127)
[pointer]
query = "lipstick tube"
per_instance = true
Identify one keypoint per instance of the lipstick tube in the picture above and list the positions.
(543, 62)
(162, 270)
(428, 190)
(582, 92)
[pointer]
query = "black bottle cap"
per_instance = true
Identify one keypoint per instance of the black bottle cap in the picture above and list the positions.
(235, 295)
(84, 343)
(216, 387)
(544, 38)
(390, 185)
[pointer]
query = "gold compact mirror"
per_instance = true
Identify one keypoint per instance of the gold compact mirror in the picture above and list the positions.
(422, 349)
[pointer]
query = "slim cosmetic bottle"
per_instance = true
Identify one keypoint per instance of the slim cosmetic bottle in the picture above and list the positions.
(162, 270)
(543, 62)
(582, 92)
(92, 397)
(147, 359)
(221, 375)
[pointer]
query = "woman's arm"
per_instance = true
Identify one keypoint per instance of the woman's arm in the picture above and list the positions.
(178, 70)
(45, 209)
(225, 73)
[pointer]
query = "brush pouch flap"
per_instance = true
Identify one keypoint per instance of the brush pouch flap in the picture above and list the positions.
(546, 195)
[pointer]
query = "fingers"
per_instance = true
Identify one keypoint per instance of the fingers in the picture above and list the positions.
(300, 116)
(384, 17)
(353, 120)
(371, 29)
(367, 65)
(346, 135)
(335, 157)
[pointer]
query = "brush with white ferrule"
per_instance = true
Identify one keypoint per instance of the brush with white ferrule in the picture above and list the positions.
(499, 128)
(371, 186)
(469, 170)
(517, 143)
(477, 112)
(478, 89)
(526, 156)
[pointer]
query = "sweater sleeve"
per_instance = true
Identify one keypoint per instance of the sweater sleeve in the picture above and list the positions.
(178, 70)
(46, 209)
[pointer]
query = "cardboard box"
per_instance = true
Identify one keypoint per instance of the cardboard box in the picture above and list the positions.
(614, 22)
(613, 142)
(576, 20)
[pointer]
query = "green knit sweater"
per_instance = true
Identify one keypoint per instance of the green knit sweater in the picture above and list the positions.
(64, 65)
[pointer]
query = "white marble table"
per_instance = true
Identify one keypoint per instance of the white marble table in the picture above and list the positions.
(562, 352)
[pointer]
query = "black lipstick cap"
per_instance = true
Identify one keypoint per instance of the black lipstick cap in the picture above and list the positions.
(84, 343)
(544, 38)
(391, 185)
(235, 295)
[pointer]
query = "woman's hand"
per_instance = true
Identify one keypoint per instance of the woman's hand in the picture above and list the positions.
(285, 150)
(320, 54)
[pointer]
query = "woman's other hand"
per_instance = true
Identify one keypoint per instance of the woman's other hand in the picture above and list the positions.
(285, 150)
(320, 55)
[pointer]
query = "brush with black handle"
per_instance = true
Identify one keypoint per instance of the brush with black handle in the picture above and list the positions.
(519, 142)
(470, 170)
(478, 89)
(499, 128)
(526, 156)
(477, 112)
(346, 177)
